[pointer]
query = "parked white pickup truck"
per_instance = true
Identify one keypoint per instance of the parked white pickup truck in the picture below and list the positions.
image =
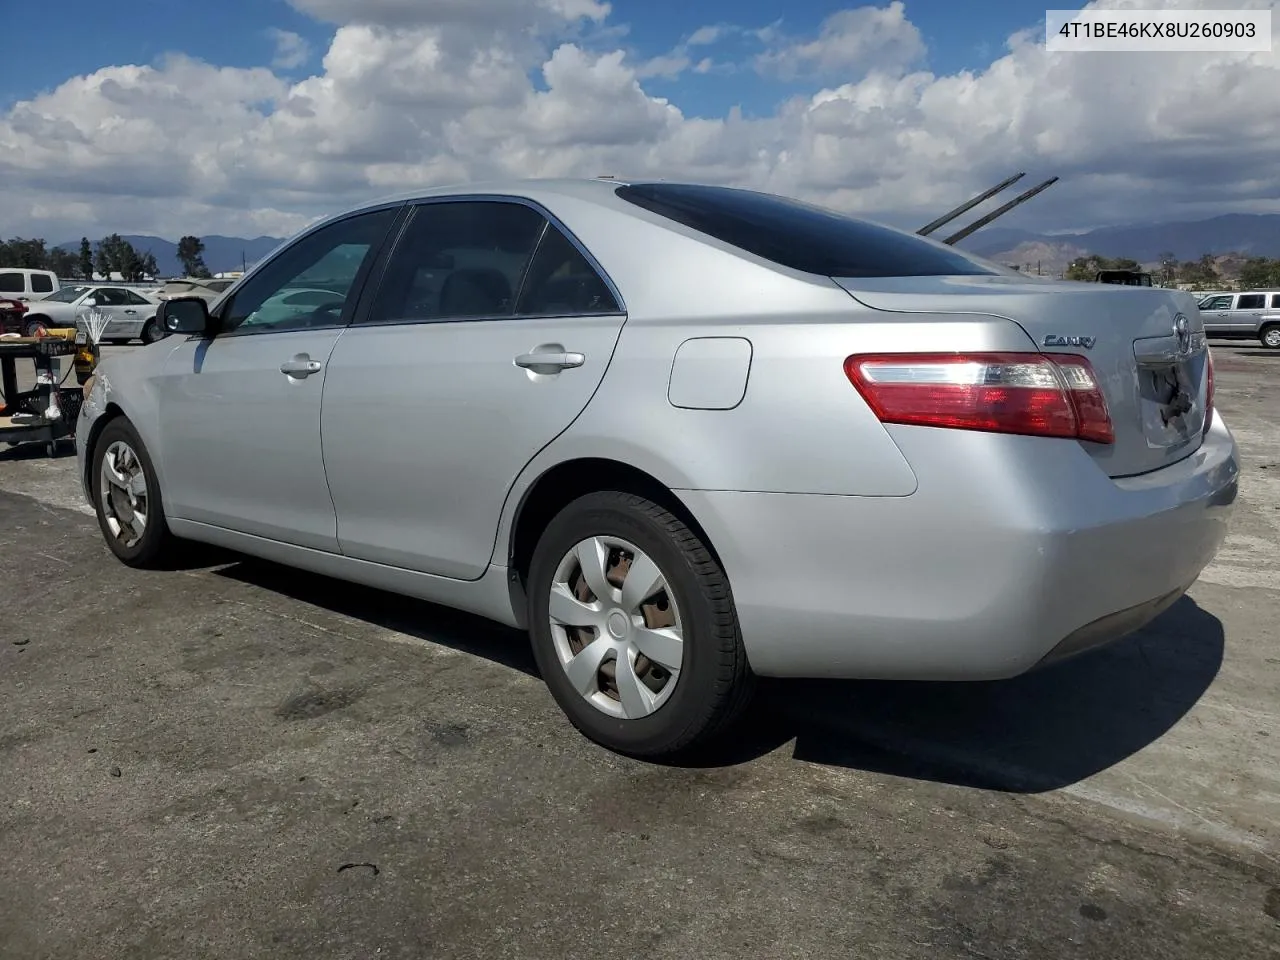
(23, 283)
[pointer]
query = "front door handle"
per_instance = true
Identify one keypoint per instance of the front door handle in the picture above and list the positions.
(300, 367)
(131, 311)
(553, 361)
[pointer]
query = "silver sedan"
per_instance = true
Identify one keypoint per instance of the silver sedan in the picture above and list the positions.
(130, 314)
(686, 436)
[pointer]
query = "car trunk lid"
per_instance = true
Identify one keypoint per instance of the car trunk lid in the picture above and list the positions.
(1145, 344)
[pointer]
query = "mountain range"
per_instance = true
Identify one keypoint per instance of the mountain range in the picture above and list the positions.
(221, 254)
(1255, 235)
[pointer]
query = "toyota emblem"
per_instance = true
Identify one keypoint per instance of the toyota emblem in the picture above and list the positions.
(1182, 330)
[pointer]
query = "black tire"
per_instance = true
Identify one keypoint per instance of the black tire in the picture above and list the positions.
(33, 324)
(715, 682)
(158, 547)
(1269, 336)
(150, 331)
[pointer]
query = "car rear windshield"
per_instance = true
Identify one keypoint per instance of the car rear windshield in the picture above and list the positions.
(798, 235)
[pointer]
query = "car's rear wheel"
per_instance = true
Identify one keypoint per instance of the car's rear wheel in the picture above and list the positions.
(126, 497)
(1270, 336)
(634, 628)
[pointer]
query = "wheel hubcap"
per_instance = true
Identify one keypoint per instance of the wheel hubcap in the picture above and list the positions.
(1272, 339)
(123, 489)
(616, 628)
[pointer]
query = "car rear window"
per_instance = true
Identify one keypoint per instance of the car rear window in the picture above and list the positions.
(800, 236)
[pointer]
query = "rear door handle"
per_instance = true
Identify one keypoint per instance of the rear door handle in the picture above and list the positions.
(300, 367)
(554, 361)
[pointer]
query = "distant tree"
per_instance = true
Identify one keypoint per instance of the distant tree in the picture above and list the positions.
(1087, 268)
(1200, 273)
(116, 255)
(190, 252)
(64, 264)
(86, 259)
(29, 254)
(1260, 272)
(146, 267)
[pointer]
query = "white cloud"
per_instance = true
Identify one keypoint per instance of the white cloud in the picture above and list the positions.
(292, 51)
(850, 40)
(706, 35)
(404, 100)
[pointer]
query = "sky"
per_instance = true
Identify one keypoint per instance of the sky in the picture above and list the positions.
(253, 117)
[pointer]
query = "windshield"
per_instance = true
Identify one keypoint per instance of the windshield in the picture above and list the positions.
(67, 295)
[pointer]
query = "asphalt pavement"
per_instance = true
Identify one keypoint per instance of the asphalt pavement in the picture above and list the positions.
(238, 760)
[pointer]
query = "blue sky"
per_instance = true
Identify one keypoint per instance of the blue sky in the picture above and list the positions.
(892, 109)
(238, 33)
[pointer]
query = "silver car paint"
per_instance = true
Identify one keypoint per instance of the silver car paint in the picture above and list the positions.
(852, 549)
(1115, 316)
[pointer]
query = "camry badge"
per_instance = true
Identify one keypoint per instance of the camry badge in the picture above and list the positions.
(1053, 340)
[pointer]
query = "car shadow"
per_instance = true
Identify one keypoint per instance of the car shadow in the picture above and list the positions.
(64, 449)
(1042, 731)
(415, 618)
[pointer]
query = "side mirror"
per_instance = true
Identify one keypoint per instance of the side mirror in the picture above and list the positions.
(184, 315)
(90, 303)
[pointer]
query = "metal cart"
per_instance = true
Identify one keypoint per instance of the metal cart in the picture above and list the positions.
(48, 412)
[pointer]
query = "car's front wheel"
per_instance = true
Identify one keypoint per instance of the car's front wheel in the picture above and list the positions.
(126, 497)
(151, 331)
(634, 628)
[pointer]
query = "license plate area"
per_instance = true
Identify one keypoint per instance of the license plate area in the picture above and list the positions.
(1170, 400)
(81, 337)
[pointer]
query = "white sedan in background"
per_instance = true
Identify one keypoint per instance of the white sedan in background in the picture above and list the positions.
(133, 315)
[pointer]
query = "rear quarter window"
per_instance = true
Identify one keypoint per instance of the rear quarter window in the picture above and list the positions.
(800, 236)
(41, 283)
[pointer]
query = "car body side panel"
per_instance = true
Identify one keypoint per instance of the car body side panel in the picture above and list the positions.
(487, 597)
(130, 381)
(981, 574)
(426, 426)
(800, 428)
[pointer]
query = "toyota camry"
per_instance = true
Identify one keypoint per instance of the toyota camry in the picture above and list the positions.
(685, 435)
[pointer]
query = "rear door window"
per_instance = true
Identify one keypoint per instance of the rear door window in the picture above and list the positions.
(1251, 301)
(800, 236)
(12, 283)
(459, 260)
(561, 283)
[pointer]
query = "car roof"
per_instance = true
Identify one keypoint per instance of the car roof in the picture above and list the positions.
(599, 190)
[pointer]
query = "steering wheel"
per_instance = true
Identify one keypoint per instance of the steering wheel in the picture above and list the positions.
(328, 313)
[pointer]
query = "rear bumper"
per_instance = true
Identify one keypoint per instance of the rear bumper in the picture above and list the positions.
(1013, 552)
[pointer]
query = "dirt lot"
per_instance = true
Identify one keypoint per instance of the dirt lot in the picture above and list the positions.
(240, 761)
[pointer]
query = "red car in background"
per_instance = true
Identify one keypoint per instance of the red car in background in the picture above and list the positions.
(11, 314)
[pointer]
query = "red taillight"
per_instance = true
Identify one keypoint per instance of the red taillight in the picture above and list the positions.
(1024, 393)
